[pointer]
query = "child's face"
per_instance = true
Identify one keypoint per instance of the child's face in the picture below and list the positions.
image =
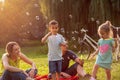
(53, 29)
(104, 34)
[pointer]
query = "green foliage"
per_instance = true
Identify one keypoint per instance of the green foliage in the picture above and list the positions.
(75, 14)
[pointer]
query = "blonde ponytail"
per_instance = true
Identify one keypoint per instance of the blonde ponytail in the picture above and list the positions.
(108, 23)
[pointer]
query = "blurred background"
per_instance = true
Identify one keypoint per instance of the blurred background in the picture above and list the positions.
(25, 21)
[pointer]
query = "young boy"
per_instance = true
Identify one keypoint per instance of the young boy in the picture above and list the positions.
(54, 41)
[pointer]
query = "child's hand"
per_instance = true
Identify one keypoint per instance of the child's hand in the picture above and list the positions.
(82, 62)
(25, 73)
(49, 33)
(63, 44)
(115, 39)
(45, 37)
(91, 56)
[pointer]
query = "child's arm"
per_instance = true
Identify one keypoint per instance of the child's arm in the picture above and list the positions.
(116, 41)
(80, 61)
(115, 44)
(92, 55)
(62, 44)
(45, 37)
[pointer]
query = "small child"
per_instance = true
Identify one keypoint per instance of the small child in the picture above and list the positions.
(54, 41)
(105, 45)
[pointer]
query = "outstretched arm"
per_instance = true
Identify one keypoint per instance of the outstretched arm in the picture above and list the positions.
(80, 61)
(116, 41)
(45, 37)
(92, 55)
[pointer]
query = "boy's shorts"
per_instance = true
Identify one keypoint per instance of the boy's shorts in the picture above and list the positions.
(55, 66)
(72, 70)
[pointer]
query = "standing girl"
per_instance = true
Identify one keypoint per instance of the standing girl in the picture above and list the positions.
(105, 46)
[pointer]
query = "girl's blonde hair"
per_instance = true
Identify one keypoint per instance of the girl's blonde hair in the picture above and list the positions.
(107, 27)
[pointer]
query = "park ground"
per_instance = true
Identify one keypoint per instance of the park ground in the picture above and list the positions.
(39, 55)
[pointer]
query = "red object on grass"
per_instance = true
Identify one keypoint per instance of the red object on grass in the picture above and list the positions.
(38, 77)
(71, 78)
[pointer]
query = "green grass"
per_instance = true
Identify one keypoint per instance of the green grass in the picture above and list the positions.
(39, 55)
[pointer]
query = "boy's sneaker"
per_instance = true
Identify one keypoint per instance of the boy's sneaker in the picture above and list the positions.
(49, 76)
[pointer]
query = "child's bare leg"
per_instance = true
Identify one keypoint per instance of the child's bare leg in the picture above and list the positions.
(80, 71)
(54, 76)
(58, 76)
(95, 69)
(108, 74)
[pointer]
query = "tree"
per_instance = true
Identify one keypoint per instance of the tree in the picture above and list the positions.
(75, 14)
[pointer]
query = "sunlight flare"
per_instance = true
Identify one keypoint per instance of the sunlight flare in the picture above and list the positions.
(2, 4)
(2, 1)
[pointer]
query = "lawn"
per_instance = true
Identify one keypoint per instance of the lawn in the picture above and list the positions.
(39, 55)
